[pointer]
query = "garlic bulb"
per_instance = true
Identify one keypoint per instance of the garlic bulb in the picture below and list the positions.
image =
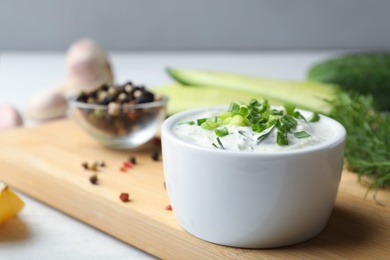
(87, 67)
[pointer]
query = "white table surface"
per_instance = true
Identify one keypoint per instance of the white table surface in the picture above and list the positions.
(41, 232)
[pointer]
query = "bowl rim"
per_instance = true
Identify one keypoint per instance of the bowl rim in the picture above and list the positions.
(167, 132)
(74, 103)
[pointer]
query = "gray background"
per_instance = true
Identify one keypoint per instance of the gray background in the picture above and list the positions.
(179, 25)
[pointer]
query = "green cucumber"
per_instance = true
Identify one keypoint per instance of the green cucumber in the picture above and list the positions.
(362, 73)
(182, 98)
(306, 95)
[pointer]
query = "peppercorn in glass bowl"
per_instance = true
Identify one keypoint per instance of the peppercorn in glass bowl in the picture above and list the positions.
(120, 117)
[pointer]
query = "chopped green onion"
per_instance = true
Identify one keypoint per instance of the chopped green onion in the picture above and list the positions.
(187, 123)
(314, 117)
(200, 121)
(221, 131)
(301, 134)
(226, 114)
(260, 117)
(289, 109)
(209, 125)
(244, 135)
(289, 121)
(234, 107)
(264, 134)
(254, 103)
(281, 138)
(277, 112)
(239, 120)
(298, 115)
(243, 110)
(282, 126)
(258, 128)
(219, 143)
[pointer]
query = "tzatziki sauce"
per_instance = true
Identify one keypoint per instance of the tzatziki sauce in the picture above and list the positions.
(243, 138)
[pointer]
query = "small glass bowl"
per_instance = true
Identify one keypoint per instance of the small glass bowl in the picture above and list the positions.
(120, 126)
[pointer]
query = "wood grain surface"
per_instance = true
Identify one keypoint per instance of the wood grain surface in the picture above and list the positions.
(44, 162)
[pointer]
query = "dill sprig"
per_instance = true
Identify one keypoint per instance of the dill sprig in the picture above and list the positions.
(367, 150)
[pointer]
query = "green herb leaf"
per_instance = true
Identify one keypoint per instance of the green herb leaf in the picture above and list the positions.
(367, 149)
(243, 134)
(187, 123)
(220, 145)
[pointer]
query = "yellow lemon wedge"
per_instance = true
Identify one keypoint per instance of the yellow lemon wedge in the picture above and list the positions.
(10, 203)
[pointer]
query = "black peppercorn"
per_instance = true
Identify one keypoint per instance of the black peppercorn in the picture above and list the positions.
(132, 160)
(154, 155)
(93, 179)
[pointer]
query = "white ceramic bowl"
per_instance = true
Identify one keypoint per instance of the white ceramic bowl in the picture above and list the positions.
(251, 200)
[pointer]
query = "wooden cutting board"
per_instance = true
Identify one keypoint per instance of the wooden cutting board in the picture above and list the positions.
(44, 162)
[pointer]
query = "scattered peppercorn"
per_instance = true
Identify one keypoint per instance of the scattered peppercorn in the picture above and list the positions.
(93, 179)
(127, 164)
(101, 163)
(154, 155)
(168, 207)
(94, 166)
(132, 159)
(124, 197)
(85, 165)
(157, 140)
(132, 116)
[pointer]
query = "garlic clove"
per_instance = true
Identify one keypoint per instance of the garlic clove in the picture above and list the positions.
(9, 117)
(46, 105)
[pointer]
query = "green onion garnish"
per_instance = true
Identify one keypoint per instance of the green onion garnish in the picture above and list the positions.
(259, 116)
(209, 125)
(289, 109)
(277, 112)
(234, 107)
(301, 134)
(281, 138)
(265, 133)
(314, 117)
(221, 131)
(298, 115)
(201, 121)
(219, 143)
(187, 123)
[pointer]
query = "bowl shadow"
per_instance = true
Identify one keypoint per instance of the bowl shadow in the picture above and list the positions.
(346, 228)
(14, 230)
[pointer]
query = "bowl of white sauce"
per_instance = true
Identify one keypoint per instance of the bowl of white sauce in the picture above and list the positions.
(235, 179)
